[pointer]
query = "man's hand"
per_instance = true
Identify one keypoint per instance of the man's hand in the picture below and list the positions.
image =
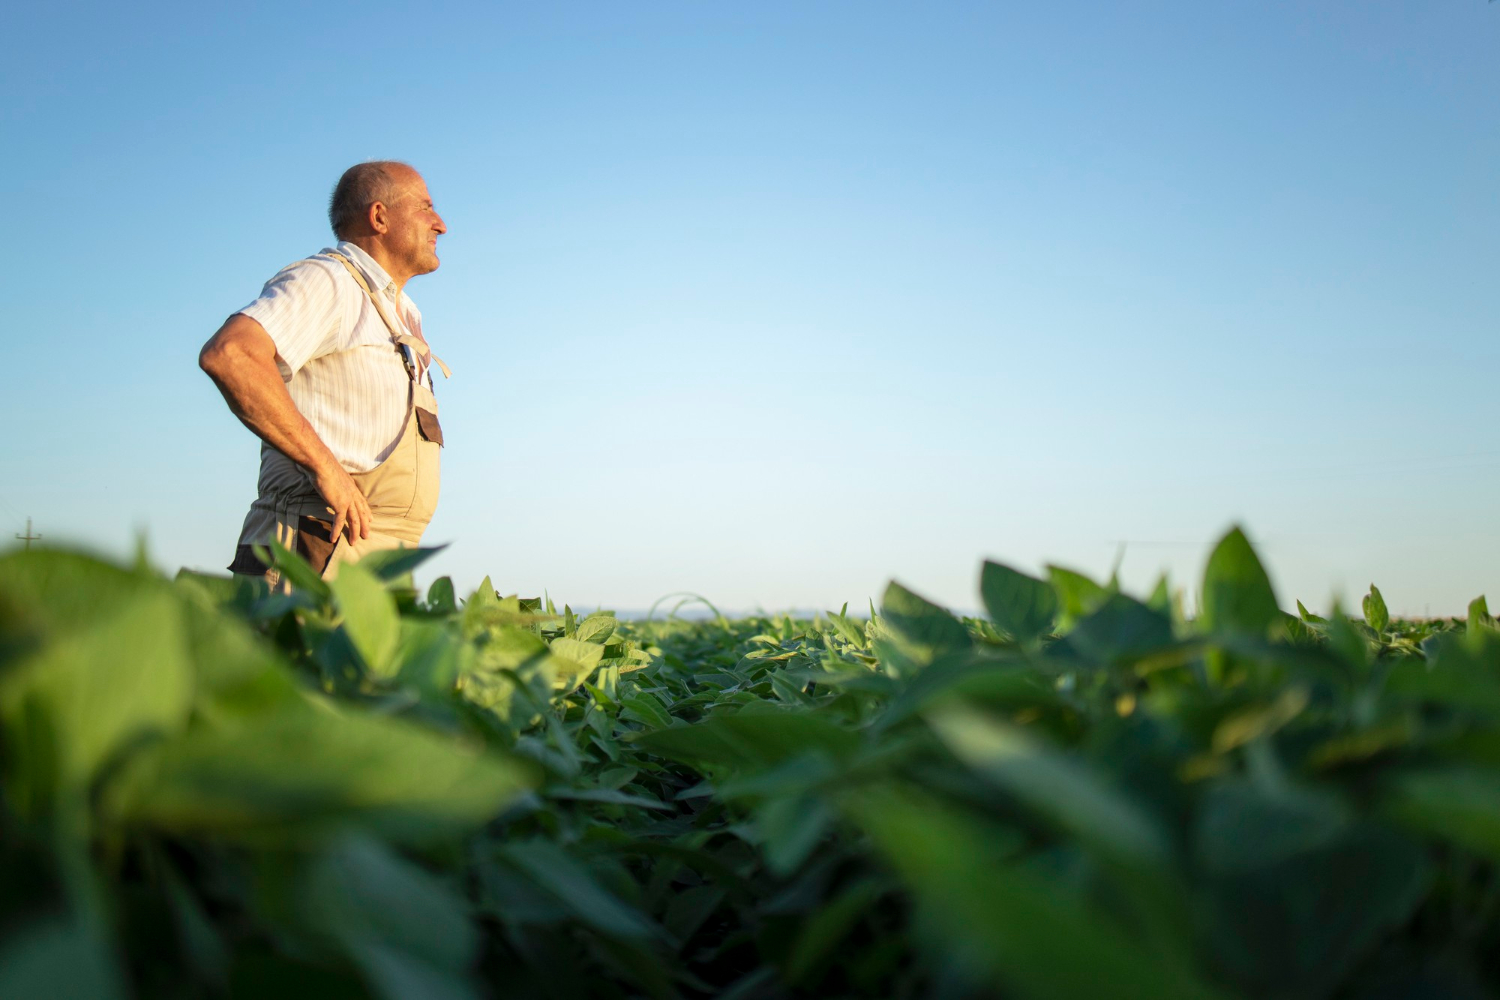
(350, 509)
(241, 359)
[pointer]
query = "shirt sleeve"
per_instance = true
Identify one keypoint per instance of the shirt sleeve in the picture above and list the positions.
(300, 308)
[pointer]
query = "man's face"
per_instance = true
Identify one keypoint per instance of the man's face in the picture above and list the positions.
(412, 225)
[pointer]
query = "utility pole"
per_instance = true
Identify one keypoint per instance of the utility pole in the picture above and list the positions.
(28, 538)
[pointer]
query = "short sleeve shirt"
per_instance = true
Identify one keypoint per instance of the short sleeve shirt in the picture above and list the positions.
(336, 355)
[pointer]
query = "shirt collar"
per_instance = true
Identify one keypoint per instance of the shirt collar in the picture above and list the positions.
(374, 273)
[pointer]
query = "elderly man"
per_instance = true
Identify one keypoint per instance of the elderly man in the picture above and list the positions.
(331, 371)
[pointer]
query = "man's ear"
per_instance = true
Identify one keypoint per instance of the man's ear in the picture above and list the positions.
(376, 216)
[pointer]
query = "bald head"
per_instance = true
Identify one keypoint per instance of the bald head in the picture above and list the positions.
(362, 186)
(384, 208)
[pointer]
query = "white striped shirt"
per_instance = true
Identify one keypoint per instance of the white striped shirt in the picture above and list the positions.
(335, 353)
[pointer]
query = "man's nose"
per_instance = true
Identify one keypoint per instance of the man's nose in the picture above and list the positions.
(441, 227)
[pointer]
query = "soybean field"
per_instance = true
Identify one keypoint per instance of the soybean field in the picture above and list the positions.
(356, 789)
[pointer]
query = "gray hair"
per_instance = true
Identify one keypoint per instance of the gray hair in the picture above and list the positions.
(361, 186)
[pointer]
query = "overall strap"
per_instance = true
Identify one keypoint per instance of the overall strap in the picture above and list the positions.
(400, 336)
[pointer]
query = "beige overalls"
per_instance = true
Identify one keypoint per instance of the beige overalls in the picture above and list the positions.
(402, 491)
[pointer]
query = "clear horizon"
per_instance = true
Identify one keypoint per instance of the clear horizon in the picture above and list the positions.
(776, 303)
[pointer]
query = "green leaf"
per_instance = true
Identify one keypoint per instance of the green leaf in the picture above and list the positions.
(608, 796)
(295, 571)
(395, 975)
(583, 658)
(440, 597)
(1010, 686)
(690, 908)
(1077, 595)
(482, 608)
(1457, 805)
(852, 631)
(1241, 828)
(217, 589)
(1065, 792)
(1300, 923)
(408, 932)
(570, 883)
(508, 655)
(1160, 600)
(1376, 615)
(93, 690)
(1121, 629)
(1021, 605)
(298, 774)
(390, 564)
(597, 627)
(923, 630)
(752, 737)
(828, 926)
(1462, 674)
(238, 672)
(1308, 616)
(50, 591)
(1479, 615)
(203, 947)
(429, 657)
(56, 958)
(645, 709)
(1237, 594)
(1030, 934)
(1347, 640)
(704, 742)
(369, 617)
(791, 828)
(1259, 719)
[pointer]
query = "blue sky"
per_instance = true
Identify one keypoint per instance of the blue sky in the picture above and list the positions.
(776, 301)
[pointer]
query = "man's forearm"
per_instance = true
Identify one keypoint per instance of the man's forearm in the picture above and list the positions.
(241, 359)
(243, 366)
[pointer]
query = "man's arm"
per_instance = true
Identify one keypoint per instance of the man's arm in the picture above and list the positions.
(241, 359)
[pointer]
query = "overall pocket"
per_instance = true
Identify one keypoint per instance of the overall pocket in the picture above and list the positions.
(391, 487)
(428, 456)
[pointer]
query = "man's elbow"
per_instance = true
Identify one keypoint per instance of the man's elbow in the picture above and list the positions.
(224, 351)
(239, 355)
(211, 359)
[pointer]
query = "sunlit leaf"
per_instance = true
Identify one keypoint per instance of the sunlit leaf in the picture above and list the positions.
(369, 616)
(1376, 615)
(299, 774)
(1237, 595)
